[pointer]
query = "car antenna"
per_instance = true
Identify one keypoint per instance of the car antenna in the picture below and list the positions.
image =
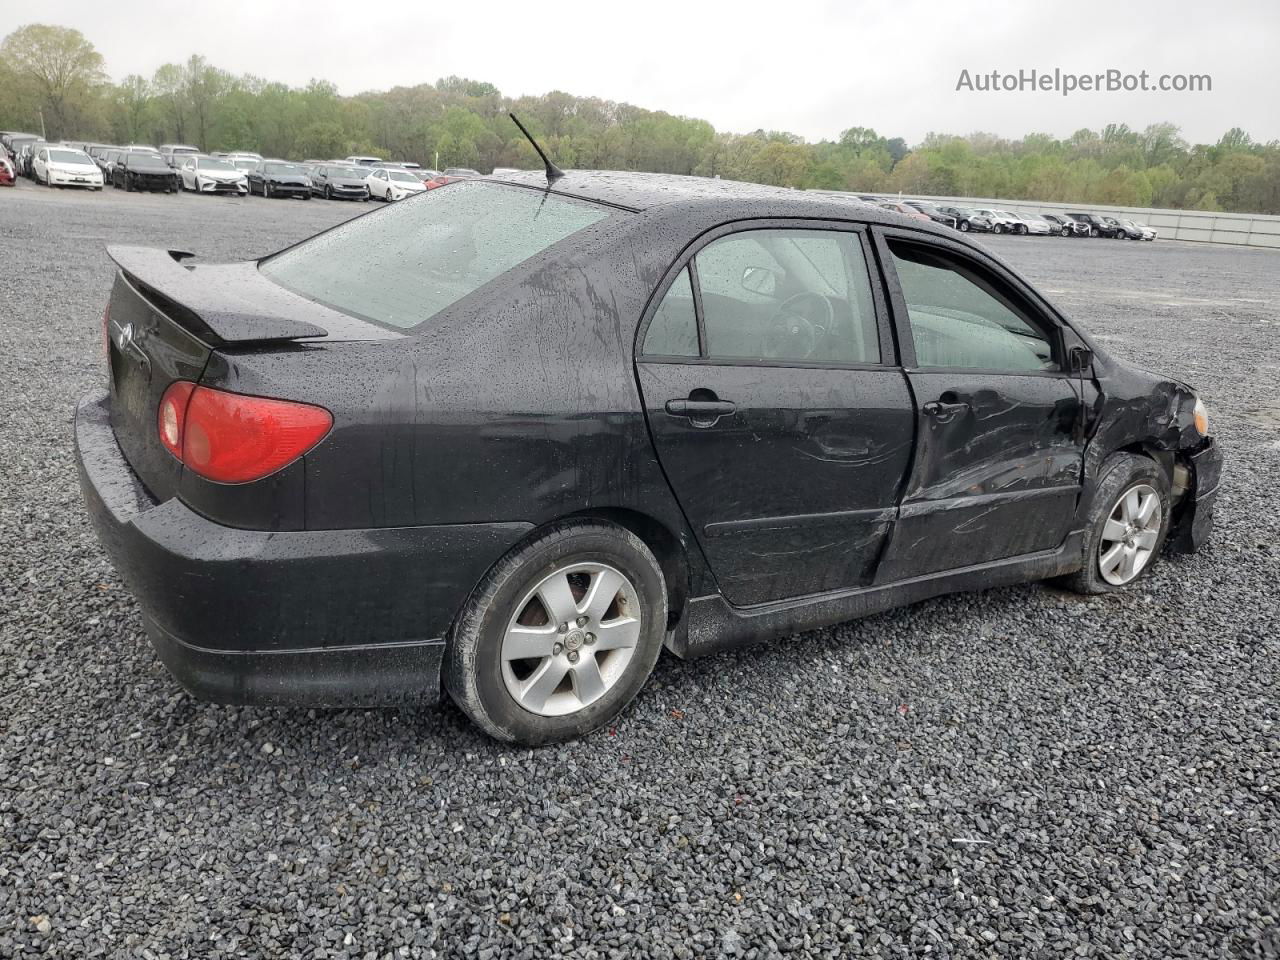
(554, 173)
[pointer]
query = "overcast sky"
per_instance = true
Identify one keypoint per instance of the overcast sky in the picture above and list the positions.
(813, 68)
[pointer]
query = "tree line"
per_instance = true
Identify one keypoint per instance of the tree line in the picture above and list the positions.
(54, 74)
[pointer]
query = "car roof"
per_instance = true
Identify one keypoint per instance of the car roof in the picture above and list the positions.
(671, 193)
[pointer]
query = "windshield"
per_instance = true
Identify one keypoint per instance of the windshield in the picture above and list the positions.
(145, 161)
(69, 156)
(245, 164)
(350, 173)
(288, 169)
(221, 166)
(415, 259)
(402, 176)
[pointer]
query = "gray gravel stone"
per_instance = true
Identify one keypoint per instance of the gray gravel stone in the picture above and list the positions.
(1018, 773)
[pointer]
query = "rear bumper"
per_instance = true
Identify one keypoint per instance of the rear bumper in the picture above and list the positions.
(304, 618)
(1195, 513)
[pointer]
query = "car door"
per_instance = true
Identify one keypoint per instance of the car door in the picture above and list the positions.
(999, 445)
(778, 411)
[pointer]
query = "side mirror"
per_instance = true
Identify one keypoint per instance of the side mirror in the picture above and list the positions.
(760, 280)
(1079, 359)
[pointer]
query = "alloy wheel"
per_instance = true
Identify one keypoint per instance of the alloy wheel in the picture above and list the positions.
(570, 639)
(1130, 535)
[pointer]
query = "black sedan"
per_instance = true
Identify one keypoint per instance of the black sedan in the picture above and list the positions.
(1097, 226)
(336, 182)
(512, 438)
(278, 178)
(935, 213)
(135, 170)
(968, 220)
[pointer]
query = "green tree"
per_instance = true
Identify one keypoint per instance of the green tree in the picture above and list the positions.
(62, 67)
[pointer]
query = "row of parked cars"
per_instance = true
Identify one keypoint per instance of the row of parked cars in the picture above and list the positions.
(986, 220)
(171, 168)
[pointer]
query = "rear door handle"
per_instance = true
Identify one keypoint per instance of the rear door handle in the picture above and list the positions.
(702, 413)
(943, 411)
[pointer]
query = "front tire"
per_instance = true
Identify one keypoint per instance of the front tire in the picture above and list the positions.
(560, 635)
(1127, 524)
(964, 226)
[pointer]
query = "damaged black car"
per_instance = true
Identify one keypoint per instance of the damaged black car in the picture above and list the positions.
(510, 438)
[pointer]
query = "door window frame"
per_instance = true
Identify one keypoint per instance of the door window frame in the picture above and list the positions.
(1037, 310)
(889, 357)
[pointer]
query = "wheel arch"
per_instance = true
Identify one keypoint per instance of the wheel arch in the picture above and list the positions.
(667, 549)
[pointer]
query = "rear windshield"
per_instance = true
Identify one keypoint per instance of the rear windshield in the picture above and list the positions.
(407, 263)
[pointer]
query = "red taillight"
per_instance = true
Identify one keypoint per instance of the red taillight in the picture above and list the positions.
(233, 438)
(172, 414)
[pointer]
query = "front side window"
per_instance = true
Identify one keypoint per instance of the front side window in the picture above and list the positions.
(960, 318)
(413, 260)
(790, 295)
(673, 331)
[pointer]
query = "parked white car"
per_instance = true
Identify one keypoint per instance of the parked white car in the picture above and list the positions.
(212, 175)
(390, 184)
(1001, 221)
(65, 167)
(1035, 225)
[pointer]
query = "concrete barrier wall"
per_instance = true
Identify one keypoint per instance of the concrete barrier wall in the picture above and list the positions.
(1243, 229)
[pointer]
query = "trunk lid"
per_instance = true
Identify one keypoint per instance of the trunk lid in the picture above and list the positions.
(164, 321)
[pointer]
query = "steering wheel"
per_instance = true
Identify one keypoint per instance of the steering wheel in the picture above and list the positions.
(793, 335)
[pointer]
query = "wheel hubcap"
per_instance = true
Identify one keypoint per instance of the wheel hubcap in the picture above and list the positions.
(1129, 535)
(570, 639)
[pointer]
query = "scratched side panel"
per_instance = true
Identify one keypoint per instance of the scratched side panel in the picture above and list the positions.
(999, 479)
(795, 491)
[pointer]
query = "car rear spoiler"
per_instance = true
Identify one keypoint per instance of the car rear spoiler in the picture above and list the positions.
(208, 304)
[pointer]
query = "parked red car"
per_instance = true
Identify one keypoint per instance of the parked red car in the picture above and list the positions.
(440, 181)
(6, 172)
(905, 210)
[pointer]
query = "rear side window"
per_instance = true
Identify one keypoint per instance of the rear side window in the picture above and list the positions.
(405, 264)
(788, 295)
(673, 331)
(960, 317)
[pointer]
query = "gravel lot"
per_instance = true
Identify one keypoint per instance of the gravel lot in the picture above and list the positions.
(1018, 773)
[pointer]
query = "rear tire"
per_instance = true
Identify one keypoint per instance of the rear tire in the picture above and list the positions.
(1121, 478)
(581, 680)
